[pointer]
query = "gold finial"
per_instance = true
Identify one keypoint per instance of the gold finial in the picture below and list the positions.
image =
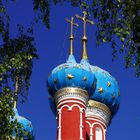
(100, 90)
(71, 33)
(84, 38)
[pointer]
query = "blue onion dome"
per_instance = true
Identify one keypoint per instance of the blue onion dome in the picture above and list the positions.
(71, 74)
(107, 90)
(26, 126)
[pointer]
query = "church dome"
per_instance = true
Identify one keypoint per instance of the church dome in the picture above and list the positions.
(106, 89)
(99, 84)
(71, 74)
(26, 126)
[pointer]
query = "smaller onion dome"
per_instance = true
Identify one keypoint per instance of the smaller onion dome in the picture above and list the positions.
(26, 126)
(71, 74)
(107, 90)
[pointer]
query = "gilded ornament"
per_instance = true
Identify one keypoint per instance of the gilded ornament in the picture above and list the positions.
(70, 76)
(95, 104)
(108, 84)
(84, 38)
(71, 33)
(100, 90)
(71, 92)
(84, 78)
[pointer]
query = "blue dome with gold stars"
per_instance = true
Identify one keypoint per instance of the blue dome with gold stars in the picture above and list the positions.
(26, 126)
(99, 84)
(106, 89)
(71, 74)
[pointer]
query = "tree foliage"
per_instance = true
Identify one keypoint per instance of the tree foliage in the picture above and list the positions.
(16, 62)
(116, 20)
(16, 57)
(6, 127)
(119, 20)
(9, 126)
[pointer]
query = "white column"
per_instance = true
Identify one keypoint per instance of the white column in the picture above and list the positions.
(81, 125)
(59, 124)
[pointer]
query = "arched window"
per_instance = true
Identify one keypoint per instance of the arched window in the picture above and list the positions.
(99, 134)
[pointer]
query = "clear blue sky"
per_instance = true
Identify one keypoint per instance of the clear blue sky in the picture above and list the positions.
(53, 48)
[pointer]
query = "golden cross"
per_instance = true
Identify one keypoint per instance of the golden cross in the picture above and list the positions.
(71, 33)
(84, 38)
(85, 20)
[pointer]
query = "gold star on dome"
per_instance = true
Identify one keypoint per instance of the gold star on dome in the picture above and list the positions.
(108, 84)
(100, 90)
(70, 76)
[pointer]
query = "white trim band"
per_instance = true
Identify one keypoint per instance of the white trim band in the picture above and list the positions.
(71, 92)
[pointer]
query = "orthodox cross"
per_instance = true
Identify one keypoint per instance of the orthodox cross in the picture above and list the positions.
(84, 38)
(71, 33)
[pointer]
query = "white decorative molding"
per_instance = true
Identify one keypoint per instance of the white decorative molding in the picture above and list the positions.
(70, 92)
(81, 125)
(99, 134)
(94, 118)
(96, 104)
(70, 97)
(98, 110)
(98, 113)
(91, 125)
(70, 101)
(59, 124)
(91, 130)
